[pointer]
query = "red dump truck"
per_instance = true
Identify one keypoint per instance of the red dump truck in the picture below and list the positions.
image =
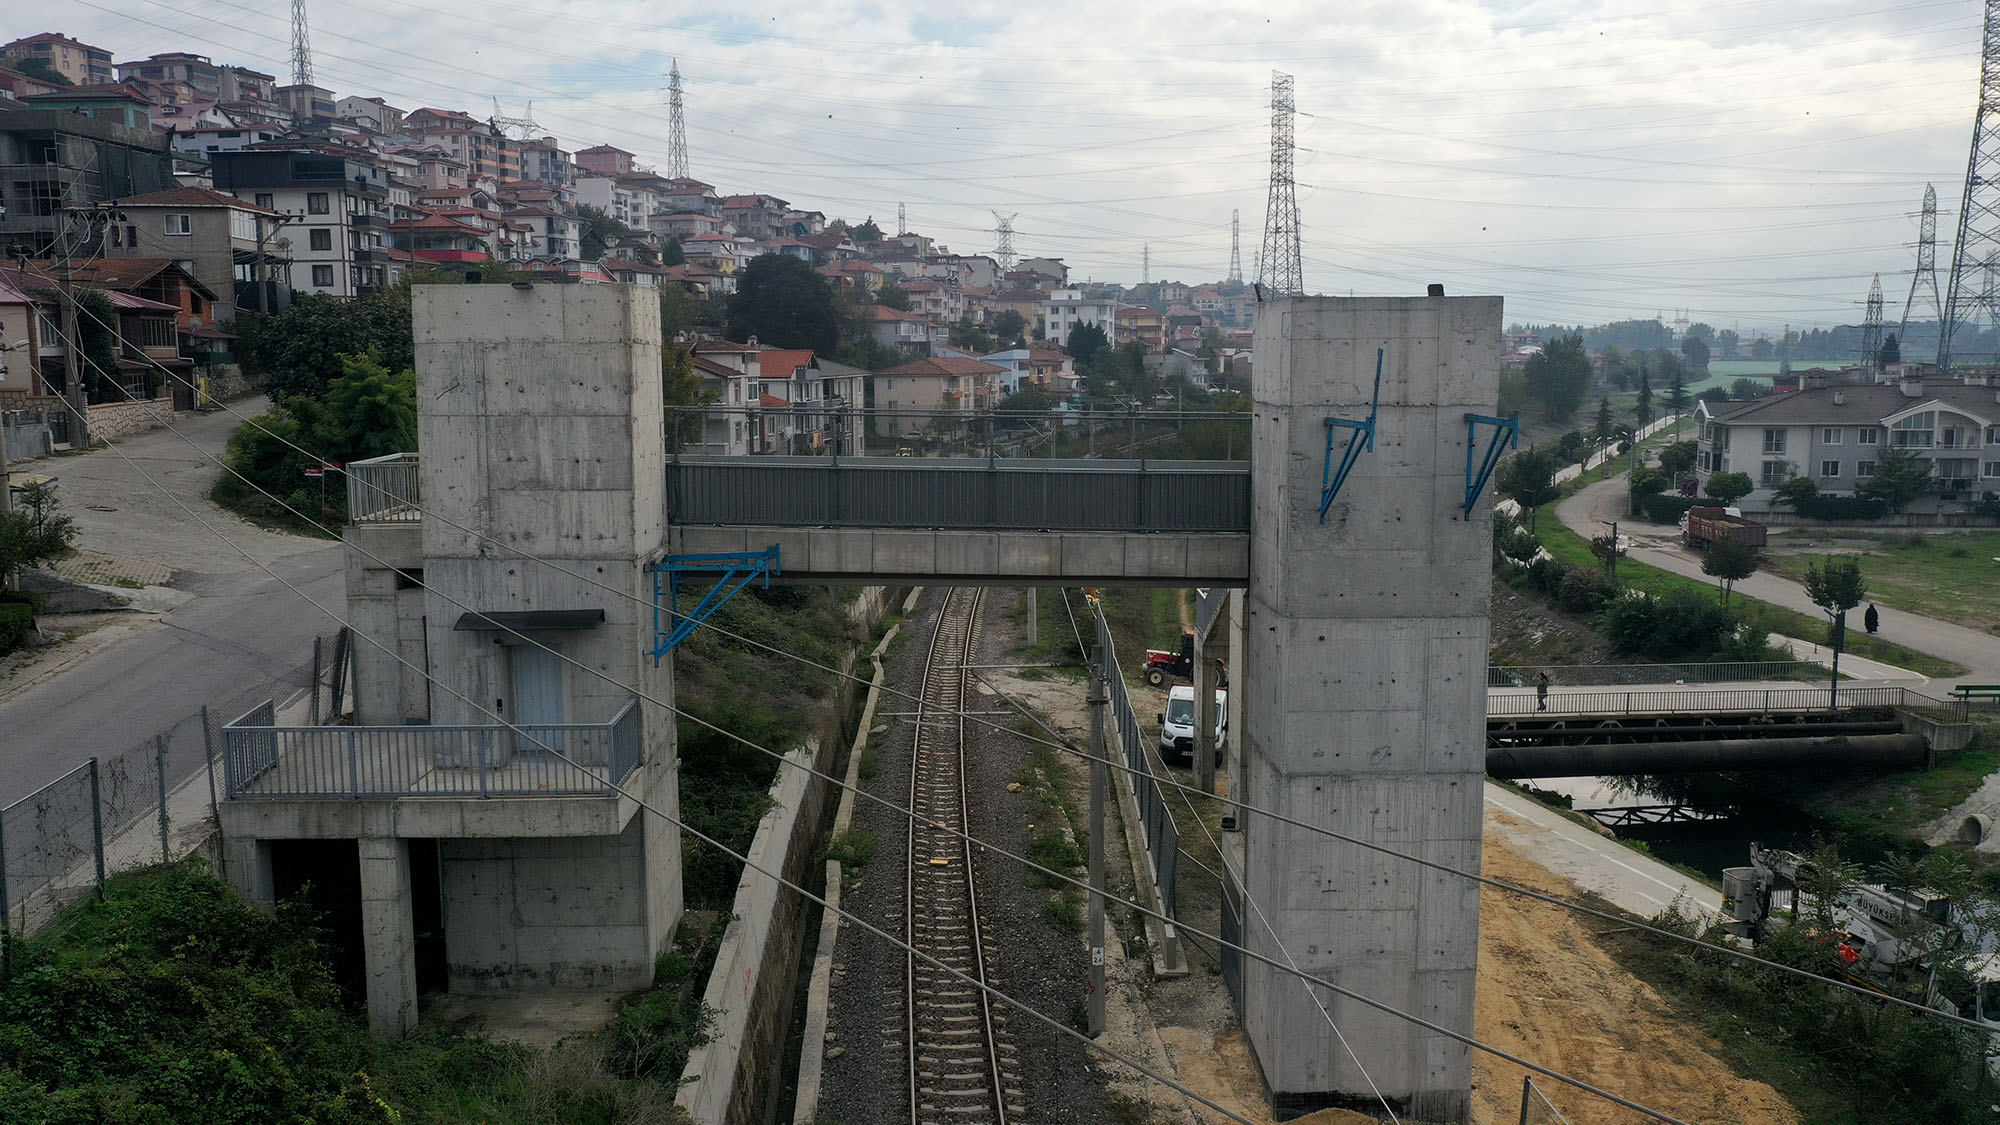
(1703, 526)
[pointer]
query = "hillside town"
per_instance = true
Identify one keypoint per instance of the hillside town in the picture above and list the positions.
(192, 191)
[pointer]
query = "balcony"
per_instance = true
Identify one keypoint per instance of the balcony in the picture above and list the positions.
(384, 490)
(367, 219)
(263, 761)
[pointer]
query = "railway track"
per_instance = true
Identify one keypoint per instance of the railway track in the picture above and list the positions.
(961, 1069)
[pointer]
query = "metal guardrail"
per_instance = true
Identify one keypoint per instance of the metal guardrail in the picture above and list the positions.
(1162, 833)
(968, 493)
(1753, 700)
(384, 489)
(263, 761)
(1606, 675)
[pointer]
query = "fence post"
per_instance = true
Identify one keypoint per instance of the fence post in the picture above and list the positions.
(314, 706)
(208, 761)
(353, 767)
(1097, 699)
(97, 826)
(160, 774)
(1527, 1089)
(5, 936)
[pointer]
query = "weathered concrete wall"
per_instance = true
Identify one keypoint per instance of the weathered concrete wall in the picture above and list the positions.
(387, 610)
(112, 420)
(844, 555)
(1364, 678)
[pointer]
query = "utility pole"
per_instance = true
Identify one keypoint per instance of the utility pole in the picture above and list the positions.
(1097, 699)
(79, 407)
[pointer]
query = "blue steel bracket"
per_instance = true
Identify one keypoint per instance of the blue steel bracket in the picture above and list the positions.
(1506, 435)
(1360, 436)
(736, 569)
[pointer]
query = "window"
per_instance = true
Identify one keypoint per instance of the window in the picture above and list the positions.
(1993, 435)
(1774, 441)
(51, 336)
(1864, 469)
(179, 224)
(321, 238)
(1990, 469)
(131, 236)
(1832, 435)
(1913, 432)
(1867, 435)
(1829, 468)
(323, 276)
(1954, 437)
(1776, 472)
(263, 199)
(316, 203)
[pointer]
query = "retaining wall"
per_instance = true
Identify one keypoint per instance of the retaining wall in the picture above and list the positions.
(112, 420)
(732, 1076)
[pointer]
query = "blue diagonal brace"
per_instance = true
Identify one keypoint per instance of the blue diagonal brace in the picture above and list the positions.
(735, 570)
(1360, 437)
(1506, 435)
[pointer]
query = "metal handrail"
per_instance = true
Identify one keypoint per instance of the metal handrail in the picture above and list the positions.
(264, 761)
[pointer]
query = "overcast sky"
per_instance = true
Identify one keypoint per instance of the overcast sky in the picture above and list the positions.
(1752, 162)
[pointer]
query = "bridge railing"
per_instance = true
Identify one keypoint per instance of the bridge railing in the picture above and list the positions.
(1163, 841)
(1638, 675)
(835, 428)
(1667, 700)
(969, 493)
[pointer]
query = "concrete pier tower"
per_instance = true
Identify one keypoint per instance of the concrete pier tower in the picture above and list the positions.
(1364, 659)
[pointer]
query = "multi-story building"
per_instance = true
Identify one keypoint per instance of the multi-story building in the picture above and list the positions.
(485, 150)
(1067, 308)
(206, 81)
(369, 113)
(759, 217)
(50, 160)
(1835, 435)
(337, 209)
(545, 162)
(307, 103)
(605, 160)
(81, 63)
(938, 386)
(554, 234)
(680, 194)
(228, 244)
(1136, 322)
(120, 105)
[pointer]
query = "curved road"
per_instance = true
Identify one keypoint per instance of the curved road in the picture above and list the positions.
(1590, 511)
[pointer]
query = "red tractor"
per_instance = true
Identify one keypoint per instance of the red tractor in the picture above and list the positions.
(1162, 665)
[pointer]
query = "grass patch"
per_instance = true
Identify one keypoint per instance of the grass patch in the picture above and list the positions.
(1050, 849)
(1056, 633)
(1064, 911)
(1567, 545)
(852, 848)
(1951, 577)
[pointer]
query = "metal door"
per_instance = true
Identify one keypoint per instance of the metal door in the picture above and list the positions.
(538, 697)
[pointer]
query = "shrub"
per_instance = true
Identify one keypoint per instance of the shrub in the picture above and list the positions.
(1666, 508)
(30, 598)
(16, 618)
(1684, 625)
(1843, 509)
(1647, 481)
(1585, 591)
(1546, 575)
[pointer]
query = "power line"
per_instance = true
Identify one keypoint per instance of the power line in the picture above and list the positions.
(978, 719)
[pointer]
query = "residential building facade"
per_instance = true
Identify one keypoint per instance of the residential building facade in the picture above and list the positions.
(228, 244)
(337, 214)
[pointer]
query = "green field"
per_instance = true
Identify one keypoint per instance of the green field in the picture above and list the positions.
(1950, 577)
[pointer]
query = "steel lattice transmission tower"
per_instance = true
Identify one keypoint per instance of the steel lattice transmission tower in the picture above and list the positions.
(302, 61)
(902, 220)
(1003, 237)
(1926, 275)
(1871, 327)
(1969, 296)
(1146, 264)
(1279, 269)
(677, 138)
(1235, 247)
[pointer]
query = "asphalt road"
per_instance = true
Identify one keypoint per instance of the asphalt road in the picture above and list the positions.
(229, 632)
(1591, 509)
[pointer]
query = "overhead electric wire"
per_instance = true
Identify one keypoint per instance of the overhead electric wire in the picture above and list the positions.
(1109, 761)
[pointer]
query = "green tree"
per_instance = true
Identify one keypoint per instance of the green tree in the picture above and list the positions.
(1642, 407)
(1727, 340)
(868, 231)
(1677, 398)
(893, 296)
(680, 386)
(1677, 459)
(1900, 477)
(969, 337)
(600, 231)
(35, 532)
(301, 350)
(1890, 352)
(1796, 493)
(1085, 341)
(782, 302)
(1604, 428)
(1728, 488)
(1836, 586)
(368, 411)
(1729, 560)
(1011, 327)
(1748, 388)
(1559, 376)
(1528, 478)
(1695, 349)
(40, 70)
(672, 254)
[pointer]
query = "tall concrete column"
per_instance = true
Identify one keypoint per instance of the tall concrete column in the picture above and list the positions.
(1363, 692)
(388, 935)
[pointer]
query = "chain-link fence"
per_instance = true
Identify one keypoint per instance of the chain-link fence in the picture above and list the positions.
(153, 802)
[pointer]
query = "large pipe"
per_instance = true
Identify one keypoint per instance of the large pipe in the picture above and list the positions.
(1506, 731)
(1872, 751)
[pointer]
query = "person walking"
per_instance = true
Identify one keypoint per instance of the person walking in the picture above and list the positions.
(1872, 619)
(1542, 692)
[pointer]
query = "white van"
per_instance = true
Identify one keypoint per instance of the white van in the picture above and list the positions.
(1177, 725)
